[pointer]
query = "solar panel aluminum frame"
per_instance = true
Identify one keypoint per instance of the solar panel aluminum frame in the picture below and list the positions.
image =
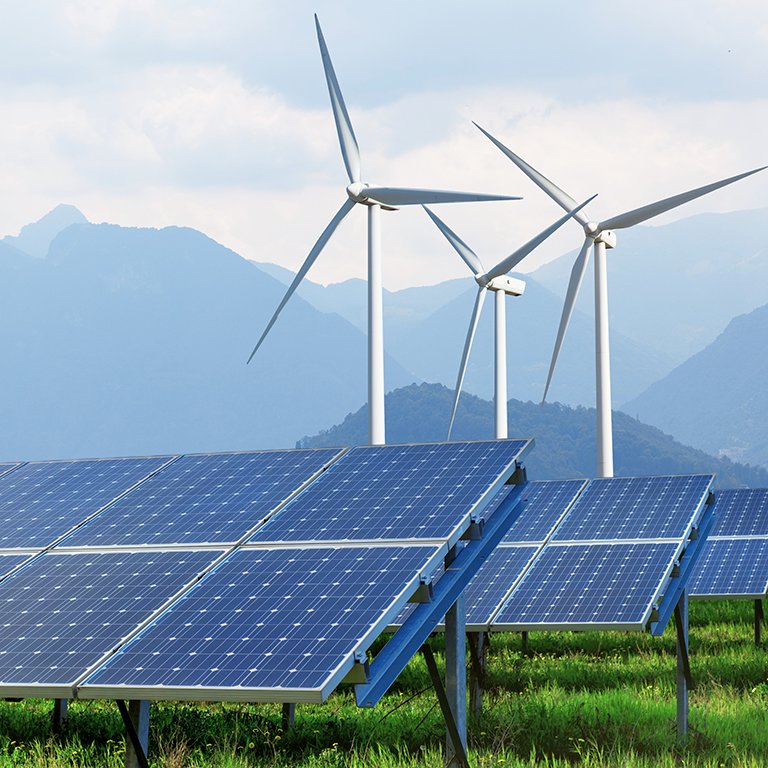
(274, 695)
(474, 515)
(70, 690)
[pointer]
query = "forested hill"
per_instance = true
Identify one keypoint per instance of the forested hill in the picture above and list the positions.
(565, 437)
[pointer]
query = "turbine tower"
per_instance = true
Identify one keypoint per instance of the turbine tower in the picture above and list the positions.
(493, 280)
(600, 235)
(375, 198)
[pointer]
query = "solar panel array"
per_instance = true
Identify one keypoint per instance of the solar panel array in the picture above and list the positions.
(163, 556)
(734, 561)
(612, 557)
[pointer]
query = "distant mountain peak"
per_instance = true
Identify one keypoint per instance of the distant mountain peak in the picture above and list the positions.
(35, 238)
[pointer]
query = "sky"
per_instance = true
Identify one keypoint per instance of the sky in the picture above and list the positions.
(215, 115)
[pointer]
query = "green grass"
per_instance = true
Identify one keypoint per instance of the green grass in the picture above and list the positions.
(587, 699)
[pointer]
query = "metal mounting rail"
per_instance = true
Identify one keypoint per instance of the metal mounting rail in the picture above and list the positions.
(406, 642)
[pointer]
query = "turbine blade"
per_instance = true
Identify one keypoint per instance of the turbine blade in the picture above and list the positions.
(577, 275)
(470, 257)
(349, 149)
(403, 196)
(512, 260)
(563, 199)
(465, 355)
(629, 219)
(308, 262)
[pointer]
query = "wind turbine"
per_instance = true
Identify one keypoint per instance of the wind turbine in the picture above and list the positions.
(375, 198)
(601, 236)
(494, 280)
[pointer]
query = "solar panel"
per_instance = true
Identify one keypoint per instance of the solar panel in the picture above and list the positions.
(206, 499)
(398, 492)
(742, 512)
(62, 613)
(612, 557)
(267, 625)
(590, 586)
(43, 500)
(731, 568)
(8, 562)
(636, 508)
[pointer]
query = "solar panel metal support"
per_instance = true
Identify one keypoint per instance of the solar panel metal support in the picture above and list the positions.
(59, 714)
(478, 654)
(758, 621)
(460, 754)
(683, 667)
(136, 719)
(456, 669)
(688, 562)
(393, 658)
(289, 716)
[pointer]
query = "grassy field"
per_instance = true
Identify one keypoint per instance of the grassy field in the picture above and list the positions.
(591, 699)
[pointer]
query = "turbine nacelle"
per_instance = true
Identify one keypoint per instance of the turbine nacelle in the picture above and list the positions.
(509, 285)
(605, 236)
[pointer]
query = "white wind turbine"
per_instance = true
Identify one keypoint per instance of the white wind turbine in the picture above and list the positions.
(375, 198)
(601, 236)
(494, 280)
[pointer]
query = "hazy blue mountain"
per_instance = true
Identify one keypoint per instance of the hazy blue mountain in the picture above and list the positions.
(425, 329)
(133, 341)
(718, 399)
(350, 298)
(565, 437)
(676, 287)
(35, 238)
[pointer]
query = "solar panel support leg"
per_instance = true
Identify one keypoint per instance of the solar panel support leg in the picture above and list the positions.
(683, 667)
(59, 714)
(136, 719)
(289, 717)
(458, 758)
(456, 668)
(758, 622)
(478, 653)
(524, 635)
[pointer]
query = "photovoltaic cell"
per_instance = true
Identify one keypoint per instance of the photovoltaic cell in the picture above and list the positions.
(742, 512)
(43, 500)
(396, 492)
(588, 586)
(64, 612)
(10, 561)
(268, 620)
(205, 499)
(731, 568)
(635, 508)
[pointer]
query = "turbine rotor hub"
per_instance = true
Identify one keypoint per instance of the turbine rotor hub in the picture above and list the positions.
(356, 192)
(591, 229)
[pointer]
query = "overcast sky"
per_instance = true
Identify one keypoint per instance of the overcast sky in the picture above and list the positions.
(215, 115)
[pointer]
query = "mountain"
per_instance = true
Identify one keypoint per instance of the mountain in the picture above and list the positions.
(127, 341)
(718, 399)
(34, 239)
(425, 328)
(565, 437)
(693, 276)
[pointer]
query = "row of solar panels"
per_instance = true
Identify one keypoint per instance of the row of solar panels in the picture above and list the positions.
(260, 575)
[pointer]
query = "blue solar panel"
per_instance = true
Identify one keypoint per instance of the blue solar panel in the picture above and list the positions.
(397, 492)
(269, 620)
(63, 612)
(43, 500)
(548, 502)
(205, 499)
(10, 561)
(589, 586)
(742, 512)
(636, 508)
(731, 568)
